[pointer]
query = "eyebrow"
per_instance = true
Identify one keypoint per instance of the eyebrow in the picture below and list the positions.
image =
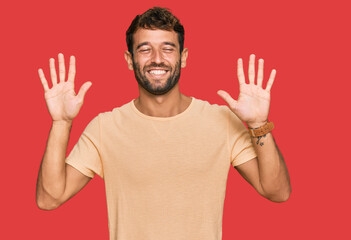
(170, 43)
(147, 43)
(142, 44)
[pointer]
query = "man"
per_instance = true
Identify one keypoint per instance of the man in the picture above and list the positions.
(164, 156)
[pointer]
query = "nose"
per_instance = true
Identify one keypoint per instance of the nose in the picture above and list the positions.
(157, 57)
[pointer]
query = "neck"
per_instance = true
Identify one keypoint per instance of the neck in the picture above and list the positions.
(166, 105)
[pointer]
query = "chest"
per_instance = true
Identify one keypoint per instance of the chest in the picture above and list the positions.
(154, 153)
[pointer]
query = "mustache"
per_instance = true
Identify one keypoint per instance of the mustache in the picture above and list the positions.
(155, 65)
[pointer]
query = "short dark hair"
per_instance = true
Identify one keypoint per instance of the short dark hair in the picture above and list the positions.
(155, 18)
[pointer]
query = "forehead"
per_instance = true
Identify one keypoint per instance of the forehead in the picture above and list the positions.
(155, 37)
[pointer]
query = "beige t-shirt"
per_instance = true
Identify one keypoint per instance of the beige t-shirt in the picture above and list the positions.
(165, 178)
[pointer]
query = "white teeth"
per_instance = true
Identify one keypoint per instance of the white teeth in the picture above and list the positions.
(157, 72)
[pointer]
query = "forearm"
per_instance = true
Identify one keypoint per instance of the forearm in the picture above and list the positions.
(273, 173)
(52, 173)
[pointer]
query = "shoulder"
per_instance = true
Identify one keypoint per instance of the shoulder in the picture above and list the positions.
(216, 112)
(125, 109)
(206, 107)
(116, 116)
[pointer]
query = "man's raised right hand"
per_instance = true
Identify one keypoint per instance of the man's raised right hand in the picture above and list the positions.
(62, 101)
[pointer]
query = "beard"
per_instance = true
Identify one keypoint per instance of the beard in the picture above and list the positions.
(145, 83)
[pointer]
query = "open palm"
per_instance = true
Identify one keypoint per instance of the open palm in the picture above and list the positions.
(253, 102)
(62, 101)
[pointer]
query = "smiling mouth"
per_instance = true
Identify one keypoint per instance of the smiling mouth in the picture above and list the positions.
(157, 72)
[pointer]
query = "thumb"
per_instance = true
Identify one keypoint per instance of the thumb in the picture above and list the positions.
(227, 98)
(83, 90)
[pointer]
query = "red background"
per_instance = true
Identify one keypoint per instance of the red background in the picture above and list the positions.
(308, 42)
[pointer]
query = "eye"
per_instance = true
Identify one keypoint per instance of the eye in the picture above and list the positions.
(168, 49)
(145, 50)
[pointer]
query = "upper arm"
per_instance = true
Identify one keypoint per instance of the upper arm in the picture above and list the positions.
(250, 172)
(75, 181)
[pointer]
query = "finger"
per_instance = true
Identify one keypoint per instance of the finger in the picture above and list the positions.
(260, 73)
(72, 69)
(240, 72)
(252, 69)
(83, 90)
(43, 79)
(227, 98)
(53, 71)
(62, 70)
(271, 80)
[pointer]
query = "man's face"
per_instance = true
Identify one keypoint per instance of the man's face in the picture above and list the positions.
(156, 61)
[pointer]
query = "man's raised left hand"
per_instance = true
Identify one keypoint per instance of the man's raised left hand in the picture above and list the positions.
(252, 106)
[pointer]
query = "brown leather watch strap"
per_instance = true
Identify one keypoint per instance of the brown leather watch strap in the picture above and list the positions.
(258, 132)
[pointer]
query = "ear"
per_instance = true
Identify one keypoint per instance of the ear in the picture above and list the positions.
(183, 57)
(128, 57)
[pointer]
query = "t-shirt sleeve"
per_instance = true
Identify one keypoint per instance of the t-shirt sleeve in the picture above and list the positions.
(85, 155)
(239, 139)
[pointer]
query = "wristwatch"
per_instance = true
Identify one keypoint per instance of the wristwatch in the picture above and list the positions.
(260, 131)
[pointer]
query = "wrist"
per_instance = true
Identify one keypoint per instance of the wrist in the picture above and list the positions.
(254, 125)
(67, 123)
(262, 130)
